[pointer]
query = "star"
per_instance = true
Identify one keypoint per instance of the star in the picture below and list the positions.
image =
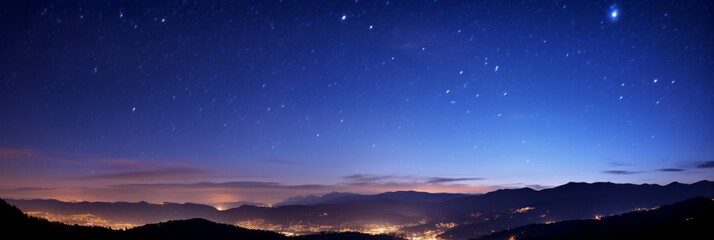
(614, 13)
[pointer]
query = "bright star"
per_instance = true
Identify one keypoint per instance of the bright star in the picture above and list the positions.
(614, 13)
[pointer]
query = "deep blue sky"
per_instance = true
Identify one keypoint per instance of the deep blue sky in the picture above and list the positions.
(104, 100)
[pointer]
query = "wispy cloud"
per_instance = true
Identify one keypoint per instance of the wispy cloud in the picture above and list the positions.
(671, 170)
(149, 175)
(281, 161)
(129, 179)
(223, 185)
(207, 192)
(618, 164)
(5, 191)
(254, 191)
(15, 154)
(19, 162)
(620, 172)
(270, 192)
(707, 164)
(124, 163)
(436, 180)
(363, 179)
(366, 178)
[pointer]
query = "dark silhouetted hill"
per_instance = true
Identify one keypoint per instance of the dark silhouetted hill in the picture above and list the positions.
(345, 236)
(690, 219)
(198, 229)
(16, 225)
(203, 229)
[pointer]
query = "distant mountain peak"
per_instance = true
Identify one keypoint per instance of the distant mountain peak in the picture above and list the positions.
(314, 199)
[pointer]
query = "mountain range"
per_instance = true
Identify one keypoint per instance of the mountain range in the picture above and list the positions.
(448, 216)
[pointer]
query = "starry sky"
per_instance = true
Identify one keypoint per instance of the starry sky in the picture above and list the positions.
(220, 101)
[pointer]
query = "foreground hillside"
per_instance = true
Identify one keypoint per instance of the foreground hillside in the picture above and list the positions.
(690, 219)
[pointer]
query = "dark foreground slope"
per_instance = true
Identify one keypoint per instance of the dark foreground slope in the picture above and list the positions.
(17, 225)
(690, 219)
(197, 228)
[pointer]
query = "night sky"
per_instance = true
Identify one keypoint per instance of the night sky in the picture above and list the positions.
(218, 101)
